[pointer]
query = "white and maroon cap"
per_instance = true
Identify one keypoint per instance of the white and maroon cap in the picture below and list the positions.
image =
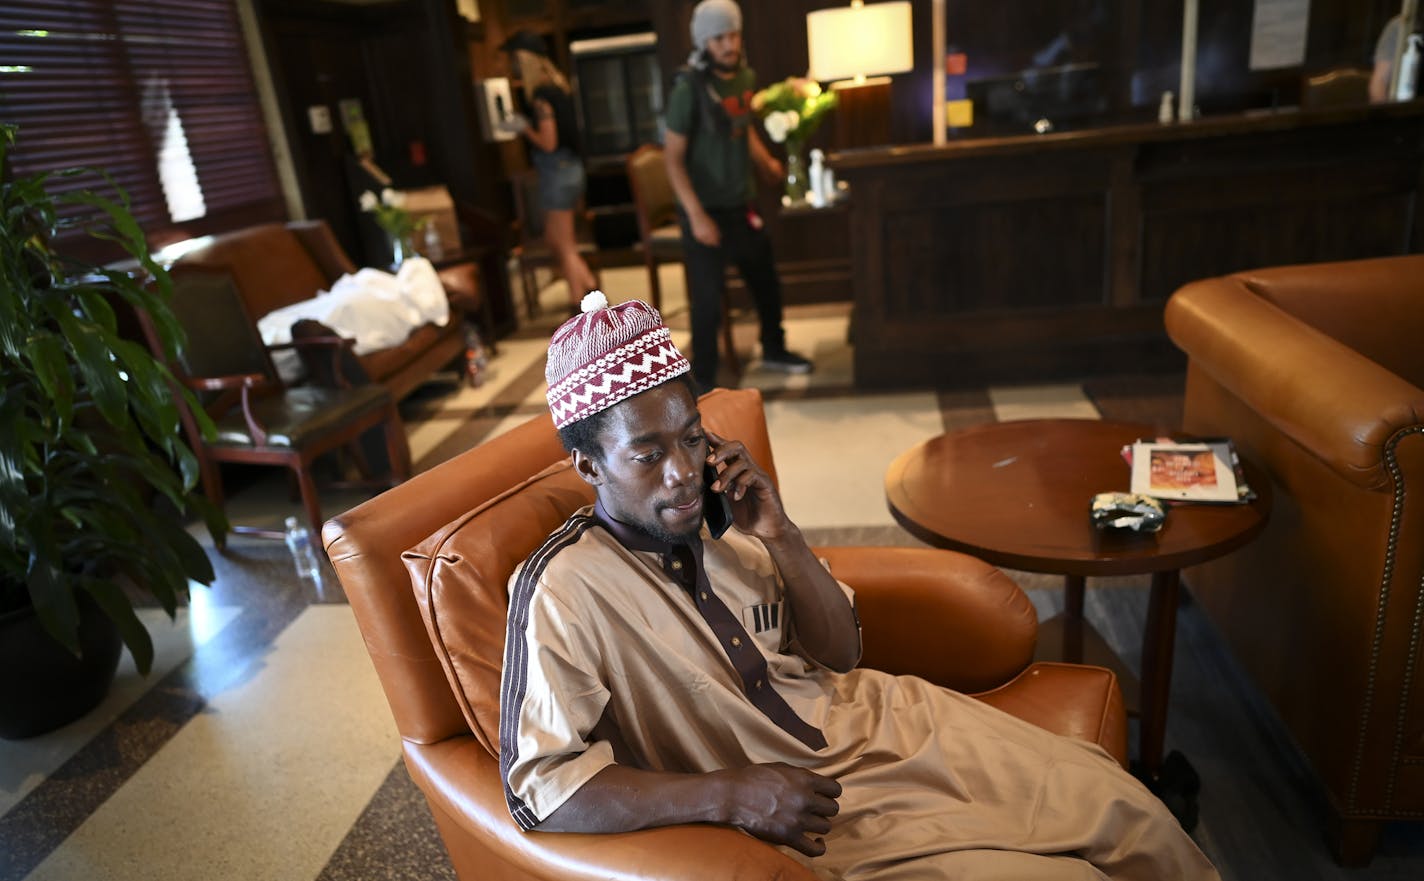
(608, 354)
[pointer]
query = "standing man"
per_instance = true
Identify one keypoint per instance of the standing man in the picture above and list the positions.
(710, 147)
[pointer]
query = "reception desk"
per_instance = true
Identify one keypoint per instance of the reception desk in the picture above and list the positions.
(1039, 257)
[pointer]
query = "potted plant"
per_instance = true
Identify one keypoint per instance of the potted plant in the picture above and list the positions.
(95, 479)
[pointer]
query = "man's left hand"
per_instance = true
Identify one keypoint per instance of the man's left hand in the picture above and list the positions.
(756, 505)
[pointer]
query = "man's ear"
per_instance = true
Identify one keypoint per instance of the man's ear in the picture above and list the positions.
(588, 468)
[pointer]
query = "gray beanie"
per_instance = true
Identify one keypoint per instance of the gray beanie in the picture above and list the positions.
(713, 17)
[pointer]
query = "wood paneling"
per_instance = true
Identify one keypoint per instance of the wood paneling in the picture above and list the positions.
(1028, 259)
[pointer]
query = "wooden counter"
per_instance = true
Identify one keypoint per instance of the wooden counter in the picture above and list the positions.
(1040, 257)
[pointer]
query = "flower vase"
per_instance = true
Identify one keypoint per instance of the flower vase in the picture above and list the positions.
(798, 180)
(402, 247)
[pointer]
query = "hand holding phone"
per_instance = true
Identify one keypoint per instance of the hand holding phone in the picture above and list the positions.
(716, 507)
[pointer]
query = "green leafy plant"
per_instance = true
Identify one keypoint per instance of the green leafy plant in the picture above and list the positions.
(94, 476)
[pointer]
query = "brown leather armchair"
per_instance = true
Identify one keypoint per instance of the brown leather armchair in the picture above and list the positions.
(1317, 373)
(436, 636)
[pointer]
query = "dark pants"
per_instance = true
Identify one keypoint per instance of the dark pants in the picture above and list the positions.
(706, 268)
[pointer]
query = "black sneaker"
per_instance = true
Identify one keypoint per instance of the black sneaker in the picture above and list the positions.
(785, 361)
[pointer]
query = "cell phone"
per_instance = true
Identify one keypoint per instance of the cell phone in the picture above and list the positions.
(716, 507)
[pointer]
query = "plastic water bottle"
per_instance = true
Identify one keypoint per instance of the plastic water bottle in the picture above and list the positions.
(299, 542)
(1404, 89)
(818, 179)
(434, 250)
(476, 358)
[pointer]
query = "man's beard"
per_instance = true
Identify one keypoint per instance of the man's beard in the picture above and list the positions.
(657, 530)
(729, 67)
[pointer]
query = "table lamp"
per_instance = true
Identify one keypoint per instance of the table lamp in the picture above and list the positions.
(856, 48)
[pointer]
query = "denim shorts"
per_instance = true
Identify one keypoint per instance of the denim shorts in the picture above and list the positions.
(560, 179)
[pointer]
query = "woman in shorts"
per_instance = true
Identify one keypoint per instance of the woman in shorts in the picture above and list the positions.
(552, 132)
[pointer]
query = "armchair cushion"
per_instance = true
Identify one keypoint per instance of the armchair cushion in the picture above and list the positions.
(460, 577)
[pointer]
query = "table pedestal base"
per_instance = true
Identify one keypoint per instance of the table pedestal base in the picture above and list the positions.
(1069, 637)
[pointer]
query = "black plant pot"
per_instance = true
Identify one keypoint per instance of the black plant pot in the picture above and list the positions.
(43, 686)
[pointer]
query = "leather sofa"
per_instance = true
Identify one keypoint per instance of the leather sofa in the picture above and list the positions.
(433, 619)
(1317, 373)
(278, 264)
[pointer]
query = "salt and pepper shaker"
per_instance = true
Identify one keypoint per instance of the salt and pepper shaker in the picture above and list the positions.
(818, 179)
(1164, 110)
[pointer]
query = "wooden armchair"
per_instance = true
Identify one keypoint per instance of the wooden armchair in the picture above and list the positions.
(660, 234)
(259, 419)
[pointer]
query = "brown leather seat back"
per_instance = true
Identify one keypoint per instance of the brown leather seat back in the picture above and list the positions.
(222, 340)
(365, 545)
(652, 193)
(461, 575)
(272, 266)
(1375, 307)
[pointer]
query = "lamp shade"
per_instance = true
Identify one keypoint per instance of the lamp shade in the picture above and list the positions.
(860, 40)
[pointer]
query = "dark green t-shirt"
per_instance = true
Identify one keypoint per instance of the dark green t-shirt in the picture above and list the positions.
(718, 160)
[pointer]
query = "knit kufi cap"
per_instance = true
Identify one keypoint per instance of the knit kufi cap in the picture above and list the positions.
(608, 354)
(713, 17)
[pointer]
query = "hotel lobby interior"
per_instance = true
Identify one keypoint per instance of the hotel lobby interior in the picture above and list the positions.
(992, 275)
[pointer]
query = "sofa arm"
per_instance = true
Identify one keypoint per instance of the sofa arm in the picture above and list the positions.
(941, 615)
(1334, 402)
(461, 781)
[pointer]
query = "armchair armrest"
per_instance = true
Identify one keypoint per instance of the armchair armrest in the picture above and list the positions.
(224, 383)
(337, 348)
(337, 342)
(947, 617)
(1334, 402)
(462, 783)
(245, 382)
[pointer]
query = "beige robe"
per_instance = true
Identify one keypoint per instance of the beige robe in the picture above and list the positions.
(609, 659)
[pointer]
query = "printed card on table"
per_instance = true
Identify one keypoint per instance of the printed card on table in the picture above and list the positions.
(1192, 472)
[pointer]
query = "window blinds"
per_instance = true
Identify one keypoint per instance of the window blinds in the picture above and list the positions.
(157, 93)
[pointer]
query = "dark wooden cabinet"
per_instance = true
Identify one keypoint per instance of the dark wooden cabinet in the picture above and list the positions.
(1018, 258)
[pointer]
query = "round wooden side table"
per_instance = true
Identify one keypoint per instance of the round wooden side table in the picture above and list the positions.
(1017, 495)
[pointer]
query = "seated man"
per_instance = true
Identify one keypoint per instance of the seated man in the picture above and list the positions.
(657, 675)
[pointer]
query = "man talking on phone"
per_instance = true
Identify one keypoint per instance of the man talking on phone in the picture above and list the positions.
(656, 675)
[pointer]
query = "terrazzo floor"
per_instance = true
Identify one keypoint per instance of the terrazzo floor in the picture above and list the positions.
(260, 747)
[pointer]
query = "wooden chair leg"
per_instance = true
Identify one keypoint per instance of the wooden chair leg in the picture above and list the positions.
(529, 280)
(1353, 842)
(655, 288)
(592, 260)
(397, 447)
(210, 473)
(311, 501)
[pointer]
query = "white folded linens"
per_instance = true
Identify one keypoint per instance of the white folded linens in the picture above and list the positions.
(375, 308)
